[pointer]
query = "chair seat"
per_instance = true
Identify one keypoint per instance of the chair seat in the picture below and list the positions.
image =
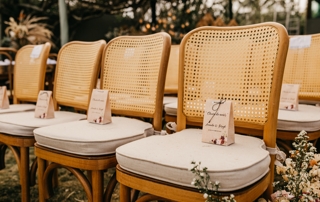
(18, 108)
(23, 123)
(171, 108)
(306, 118)
(84, 138)
(169, 99)
(169, 157)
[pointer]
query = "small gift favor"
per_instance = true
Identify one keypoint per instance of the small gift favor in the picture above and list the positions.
(44, 107)
(289, 97)
(4, 99)
(99, 107)
(218, 122)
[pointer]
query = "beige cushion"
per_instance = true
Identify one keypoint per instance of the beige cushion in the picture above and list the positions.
(18, 108)
(306, 118)
(169, 99)
(23, 123)
(171, 108)
(169, 157)
(84, 138)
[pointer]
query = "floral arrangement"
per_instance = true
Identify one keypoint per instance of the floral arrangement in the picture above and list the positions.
(28, 30)
(300, 174)
(205, 186)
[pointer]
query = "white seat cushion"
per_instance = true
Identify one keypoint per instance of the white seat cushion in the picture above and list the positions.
(18, 108)
(23, 123)
(169, 99)
(84, 138)
(169, 157)
(171, 108)
(306, 118)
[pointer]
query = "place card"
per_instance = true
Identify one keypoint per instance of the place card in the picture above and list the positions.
(36, 51)
(218, 122)
(4, 98)
(289, 97)
(99, 108)
(299, 42)
(44, 107)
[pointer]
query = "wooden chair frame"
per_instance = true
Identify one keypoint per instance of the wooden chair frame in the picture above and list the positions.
(20, 145)
(160, 189)
(97, 165)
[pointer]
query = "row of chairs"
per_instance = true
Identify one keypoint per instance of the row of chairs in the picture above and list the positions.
(242, 64)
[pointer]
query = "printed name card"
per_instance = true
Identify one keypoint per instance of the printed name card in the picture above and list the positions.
(289, 97)
(4, 99)
(300, 42)
(99, 107)
(36, 51)
(44, 107)
(218, 122)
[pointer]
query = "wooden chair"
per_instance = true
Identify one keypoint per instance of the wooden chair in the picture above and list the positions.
(302, 67)
(133, 71)
(9, 53)
(29, 79)
(243, 64)
(76, 73)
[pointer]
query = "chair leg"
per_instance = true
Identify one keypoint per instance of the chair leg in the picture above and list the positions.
(110, 187)
(24, 174)
(125, 193)
(41, 169)
(3, 149)
(97, 185)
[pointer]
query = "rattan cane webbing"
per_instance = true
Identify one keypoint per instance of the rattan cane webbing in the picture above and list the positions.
(131, 72)
(303, 67)
(29, 72)
(76, 66)
(235, 65)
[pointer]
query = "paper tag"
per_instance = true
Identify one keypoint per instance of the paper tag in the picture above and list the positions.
(36, 51)
(99, 108)
(44, 108)
(4, 99)
(289, 97)
(300, 42)
(218, 122)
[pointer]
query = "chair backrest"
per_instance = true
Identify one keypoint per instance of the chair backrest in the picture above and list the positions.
(29, 73)
(242, 64)
(134, 71)
(171, 85)
(76, 73)
(303, 67)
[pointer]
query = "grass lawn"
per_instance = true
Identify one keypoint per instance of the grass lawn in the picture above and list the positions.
(69, 188)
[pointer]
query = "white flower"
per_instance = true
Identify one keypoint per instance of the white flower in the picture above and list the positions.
(217, 183)
(205, 195)
(201, 174)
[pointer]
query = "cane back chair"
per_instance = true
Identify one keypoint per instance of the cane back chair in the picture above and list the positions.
(9, 53)
(241, 64)
(302, 67)
(133, 71)
(76, 74)
(28, 77)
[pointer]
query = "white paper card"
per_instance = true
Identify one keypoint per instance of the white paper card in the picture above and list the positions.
(36, 51)
(218, 122)
(99, 108)
(4, 99)
(289, 97)
(44, 107)
(300, 42)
